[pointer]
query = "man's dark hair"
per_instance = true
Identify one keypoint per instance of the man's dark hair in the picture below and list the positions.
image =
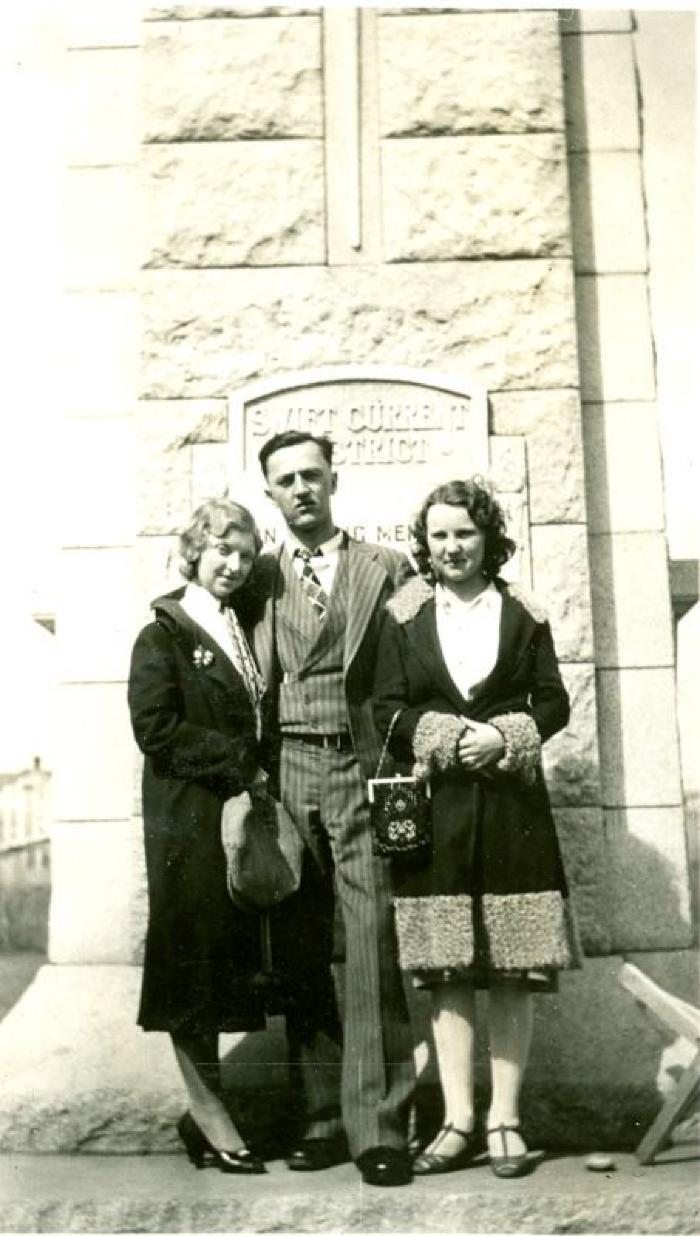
(294, 437)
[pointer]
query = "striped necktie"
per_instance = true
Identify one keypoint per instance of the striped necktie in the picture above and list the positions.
(311, 583)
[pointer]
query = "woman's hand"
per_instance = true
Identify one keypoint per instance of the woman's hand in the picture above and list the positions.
(480, 745)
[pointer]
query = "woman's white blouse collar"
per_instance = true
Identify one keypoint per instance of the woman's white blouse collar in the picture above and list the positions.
(448, 601)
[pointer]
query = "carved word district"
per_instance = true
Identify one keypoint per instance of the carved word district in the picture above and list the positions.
(371, 433)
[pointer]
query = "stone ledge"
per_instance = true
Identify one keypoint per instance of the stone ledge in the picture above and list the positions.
(138, 1195)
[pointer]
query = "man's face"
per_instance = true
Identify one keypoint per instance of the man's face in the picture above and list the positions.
(300, 482)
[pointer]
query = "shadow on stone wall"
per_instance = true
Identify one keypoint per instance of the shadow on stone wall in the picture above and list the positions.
(24, 918)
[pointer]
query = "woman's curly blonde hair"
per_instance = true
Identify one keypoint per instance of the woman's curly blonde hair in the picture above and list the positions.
(215, 517)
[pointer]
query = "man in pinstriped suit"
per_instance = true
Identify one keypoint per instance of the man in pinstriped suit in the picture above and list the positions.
(324, 595)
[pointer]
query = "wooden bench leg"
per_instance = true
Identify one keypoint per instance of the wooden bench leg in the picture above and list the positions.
(685, 1093)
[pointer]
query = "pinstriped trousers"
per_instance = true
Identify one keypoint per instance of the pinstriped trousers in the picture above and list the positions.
(325, 792)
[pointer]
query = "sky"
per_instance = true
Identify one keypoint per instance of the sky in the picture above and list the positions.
(32, 92)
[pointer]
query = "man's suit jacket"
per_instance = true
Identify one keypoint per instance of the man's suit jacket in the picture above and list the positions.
(375, 572)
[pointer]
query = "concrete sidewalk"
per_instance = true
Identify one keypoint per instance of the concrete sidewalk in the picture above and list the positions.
(163, 1193)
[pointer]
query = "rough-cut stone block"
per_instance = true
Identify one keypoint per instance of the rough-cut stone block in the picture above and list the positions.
(561, 581)
(551, 423)
(214, 80)
(211, 472)
(580, 833)
(504, 323)
(524, 215)
(474, 72)
(97, 480)
(631, 602)
(101, 352)
(184, 422)
(507, 465)
(235, 204)
(87, 24)
(601, 92)
(622, 498)
(102, 216)
(102, 124)
(94, 639)
(589, 1031)
(607, 207)
(638, 738)
(94, 752)
(157, 571)
(163, 486)
(615, 343)
(647, 874)
(570, 758)
(90, 915)
(78, 1075)
(167, 434)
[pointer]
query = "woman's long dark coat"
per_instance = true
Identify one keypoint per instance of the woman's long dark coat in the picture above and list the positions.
(495, 892)
(193, 720)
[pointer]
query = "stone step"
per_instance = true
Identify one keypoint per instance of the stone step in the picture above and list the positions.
(163, 1193)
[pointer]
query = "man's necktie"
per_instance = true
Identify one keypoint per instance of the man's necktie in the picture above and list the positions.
(311, 583)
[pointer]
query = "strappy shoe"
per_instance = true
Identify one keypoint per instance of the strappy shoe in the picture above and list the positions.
(508, 1166)
(430, 1162)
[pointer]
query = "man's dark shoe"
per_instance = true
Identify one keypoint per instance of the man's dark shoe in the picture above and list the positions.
(385, 1165)
(314, 1154)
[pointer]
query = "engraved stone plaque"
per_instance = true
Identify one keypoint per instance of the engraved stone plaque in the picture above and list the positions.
(397, 432)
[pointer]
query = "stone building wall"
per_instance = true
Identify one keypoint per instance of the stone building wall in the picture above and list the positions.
(465, 266)
(218, 233)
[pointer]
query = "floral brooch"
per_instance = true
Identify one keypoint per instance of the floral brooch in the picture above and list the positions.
(202, 657)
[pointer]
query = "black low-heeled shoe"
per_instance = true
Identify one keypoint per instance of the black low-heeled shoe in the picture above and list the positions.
(201, 1152)
(509, 1166)
(431, 1162)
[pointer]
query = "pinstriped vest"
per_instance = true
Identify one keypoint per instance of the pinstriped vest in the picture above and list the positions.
(312, 696)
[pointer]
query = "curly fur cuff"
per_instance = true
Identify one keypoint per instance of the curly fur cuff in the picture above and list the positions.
(435, 743)
(523, 744)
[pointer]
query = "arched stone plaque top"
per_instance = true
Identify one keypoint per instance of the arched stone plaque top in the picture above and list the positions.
(396, 433)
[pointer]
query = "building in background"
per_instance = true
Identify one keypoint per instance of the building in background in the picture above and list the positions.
(486, 194)
(25, 878)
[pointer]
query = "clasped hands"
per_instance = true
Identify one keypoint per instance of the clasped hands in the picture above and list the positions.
(479, 745)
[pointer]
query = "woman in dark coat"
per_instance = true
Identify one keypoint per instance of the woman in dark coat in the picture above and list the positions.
(469, 666)
(197, 703)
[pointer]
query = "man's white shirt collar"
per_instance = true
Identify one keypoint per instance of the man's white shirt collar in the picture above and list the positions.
(331, 546)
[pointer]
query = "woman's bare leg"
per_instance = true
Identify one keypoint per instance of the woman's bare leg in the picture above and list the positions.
(510, 1036)
(198, 1060)
(453, 1019)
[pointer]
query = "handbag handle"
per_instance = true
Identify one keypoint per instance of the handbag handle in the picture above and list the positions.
(387, 740)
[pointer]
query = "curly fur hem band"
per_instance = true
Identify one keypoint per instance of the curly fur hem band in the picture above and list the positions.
(434, 932)
(524, 931)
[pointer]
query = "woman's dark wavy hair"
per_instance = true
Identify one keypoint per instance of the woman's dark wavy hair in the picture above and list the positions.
(487, 513)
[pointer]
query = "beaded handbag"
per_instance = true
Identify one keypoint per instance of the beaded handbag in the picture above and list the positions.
(400, 814)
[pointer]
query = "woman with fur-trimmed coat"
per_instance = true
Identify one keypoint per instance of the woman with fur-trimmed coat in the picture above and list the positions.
(468, 663)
